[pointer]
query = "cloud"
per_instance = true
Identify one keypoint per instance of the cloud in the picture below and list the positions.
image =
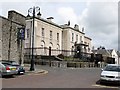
(101, 21)
(66, 14)
(99, 18)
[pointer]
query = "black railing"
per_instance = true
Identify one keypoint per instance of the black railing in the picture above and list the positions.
(71, 54)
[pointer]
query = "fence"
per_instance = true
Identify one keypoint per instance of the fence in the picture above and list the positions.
(65, 64)
(48, 52)
(82, 60)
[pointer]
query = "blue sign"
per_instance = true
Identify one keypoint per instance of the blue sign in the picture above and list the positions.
(21, 33)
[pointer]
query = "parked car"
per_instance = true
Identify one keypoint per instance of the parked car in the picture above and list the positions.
(7, 69)
(20, 69)
(111, 73)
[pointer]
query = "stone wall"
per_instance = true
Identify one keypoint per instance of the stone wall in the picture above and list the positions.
(0, 38)
(5, 38)
(17, 17)
(10, 46)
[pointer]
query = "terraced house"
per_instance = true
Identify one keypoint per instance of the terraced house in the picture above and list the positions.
(62, 39)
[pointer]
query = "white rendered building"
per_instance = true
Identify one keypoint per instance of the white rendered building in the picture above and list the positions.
(58, 37)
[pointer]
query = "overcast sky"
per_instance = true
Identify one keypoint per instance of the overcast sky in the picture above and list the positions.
(99, 18)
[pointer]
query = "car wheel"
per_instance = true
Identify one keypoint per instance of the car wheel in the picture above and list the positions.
(101, 82)
(13, 76)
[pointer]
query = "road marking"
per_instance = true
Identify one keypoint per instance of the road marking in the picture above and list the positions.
(103, 86)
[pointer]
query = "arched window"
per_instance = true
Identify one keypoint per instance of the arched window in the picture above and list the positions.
(43, 50)
(51, 45)
(42, 43)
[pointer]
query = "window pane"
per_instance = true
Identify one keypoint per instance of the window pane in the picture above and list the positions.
(50, 34)
(72, 36)
(57, 36)
(42, 32)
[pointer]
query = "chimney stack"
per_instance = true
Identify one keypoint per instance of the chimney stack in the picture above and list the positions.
(76, 27)
(50, 19)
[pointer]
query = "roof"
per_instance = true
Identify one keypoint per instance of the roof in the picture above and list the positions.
(102, 51)
(49, 22)
(16, 12)
(72, 29)
(118, 53)
(4, 18)
(60, 26)
(94, 51)
(88, 38)
(110, 51)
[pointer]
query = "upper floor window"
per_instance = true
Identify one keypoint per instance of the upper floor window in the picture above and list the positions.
(72, 36)
(76, 37)
(57, 36)
(50, 34)
(80, 38)
(28, 33)
(86, 43)
(43, 32)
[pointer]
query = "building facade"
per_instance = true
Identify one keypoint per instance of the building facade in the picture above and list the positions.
(10, 47)
(114, 55)
(108, 55)
(47, 34)
(58, 37)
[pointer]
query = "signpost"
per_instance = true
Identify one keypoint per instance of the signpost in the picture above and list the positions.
(20, 37)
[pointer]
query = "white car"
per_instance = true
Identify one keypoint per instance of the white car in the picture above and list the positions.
(111, 73)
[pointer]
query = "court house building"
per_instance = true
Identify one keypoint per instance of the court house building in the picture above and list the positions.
(48, 34)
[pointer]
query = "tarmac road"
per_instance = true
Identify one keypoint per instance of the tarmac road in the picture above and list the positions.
(57, 78)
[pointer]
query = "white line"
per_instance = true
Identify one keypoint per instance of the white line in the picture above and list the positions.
(104, 86)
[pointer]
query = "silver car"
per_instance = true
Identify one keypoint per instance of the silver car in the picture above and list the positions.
(111, 73)
(7, 69)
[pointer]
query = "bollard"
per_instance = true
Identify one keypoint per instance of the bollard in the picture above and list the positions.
(89, 65)
(50, 63)
(58, 64)
(80, 65)
(75, 64)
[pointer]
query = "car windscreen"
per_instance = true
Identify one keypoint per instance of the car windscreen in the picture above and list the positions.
(6, 63)
(15, 63)
(112, 68)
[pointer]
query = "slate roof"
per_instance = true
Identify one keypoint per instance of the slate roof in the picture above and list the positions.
(118, 53)
(102, 51)
(105, 52)
(110, 51)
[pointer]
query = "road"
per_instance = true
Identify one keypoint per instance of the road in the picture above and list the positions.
(57, 78)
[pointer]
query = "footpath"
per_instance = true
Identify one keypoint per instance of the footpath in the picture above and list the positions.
(36, 71)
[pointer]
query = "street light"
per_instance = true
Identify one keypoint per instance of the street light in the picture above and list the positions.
(33, 12)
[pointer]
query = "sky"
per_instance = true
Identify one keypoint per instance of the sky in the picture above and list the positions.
(99, 18)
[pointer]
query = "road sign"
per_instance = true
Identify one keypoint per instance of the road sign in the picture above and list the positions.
(21, 33)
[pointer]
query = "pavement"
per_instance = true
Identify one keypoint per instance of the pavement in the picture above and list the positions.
(36, 71)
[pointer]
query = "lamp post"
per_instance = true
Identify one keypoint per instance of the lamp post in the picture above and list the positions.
(33, 12)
